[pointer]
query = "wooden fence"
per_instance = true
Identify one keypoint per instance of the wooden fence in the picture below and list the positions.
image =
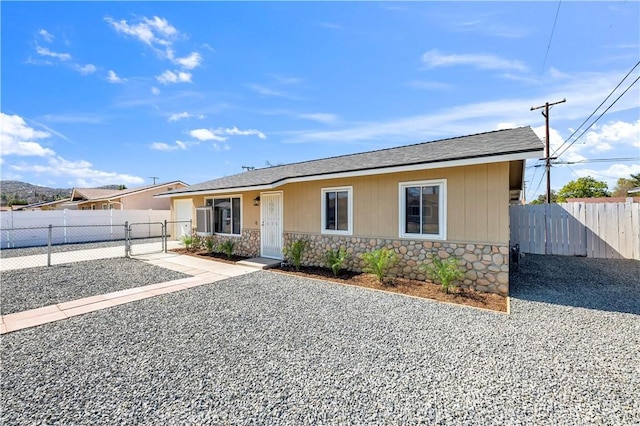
(599, 230)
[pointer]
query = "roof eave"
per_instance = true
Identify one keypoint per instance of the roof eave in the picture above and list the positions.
(468, 161)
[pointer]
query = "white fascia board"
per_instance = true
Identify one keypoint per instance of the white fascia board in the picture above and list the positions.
(415, 167)
(222, 191)
(368, 172)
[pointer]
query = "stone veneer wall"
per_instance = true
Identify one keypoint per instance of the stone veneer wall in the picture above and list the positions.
(487, 265)
(247, 244)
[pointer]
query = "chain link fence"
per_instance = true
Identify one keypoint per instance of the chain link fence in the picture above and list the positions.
(28, 247)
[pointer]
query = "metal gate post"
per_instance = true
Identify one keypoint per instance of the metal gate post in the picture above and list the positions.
(49, 245)
(126, 238)
(164, 237)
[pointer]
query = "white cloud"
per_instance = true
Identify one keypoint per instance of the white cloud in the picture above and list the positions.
(183, 115)
(435, 59)
(601, 138)
(155, 90)
(189, 62)
(16, 138)
(46, 35)
(179, 116)
(82, 171)
(216, 135)
(206, 135)
(161, 25)
(112, 77)
(158, 34)
(320, 117)
(235, 131)
(611, 174)
(179, 145)
(85, 69)
(43, 51)
(170, 77)
(149, 31)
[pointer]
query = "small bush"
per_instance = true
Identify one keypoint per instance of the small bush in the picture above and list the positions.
(379, 261)
(210, 244)
(445, 271)
(336, 259)
(294, 251)
(197, 242)
(187, 240)
(227, 248)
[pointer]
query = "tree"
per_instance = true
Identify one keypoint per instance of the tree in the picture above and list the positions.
(584, 187)
(624, 185)
(543, 197)
(121, 187)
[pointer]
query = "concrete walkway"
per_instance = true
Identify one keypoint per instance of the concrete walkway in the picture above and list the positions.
(202, 272)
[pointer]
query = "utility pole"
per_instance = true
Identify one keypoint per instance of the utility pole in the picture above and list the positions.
(154, 178)
(547, 151)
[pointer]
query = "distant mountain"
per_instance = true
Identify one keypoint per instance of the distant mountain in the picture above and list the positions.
(16, 192)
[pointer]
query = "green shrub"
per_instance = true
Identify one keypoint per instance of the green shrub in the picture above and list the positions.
(379, 261)
(197, 242)
(294, 251)
(210, 243)
(336, 259)
(187, 240)
(227, 248)
(445, 271)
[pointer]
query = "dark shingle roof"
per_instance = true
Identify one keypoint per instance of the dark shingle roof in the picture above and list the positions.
(501, 142)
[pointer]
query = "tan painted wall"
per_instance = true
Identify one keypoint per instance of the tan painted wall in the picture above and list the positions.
(477, 203)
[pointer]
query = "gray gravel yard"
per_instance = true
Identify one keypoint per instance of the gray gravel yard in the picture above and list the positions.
(24, 289)
(267, 348)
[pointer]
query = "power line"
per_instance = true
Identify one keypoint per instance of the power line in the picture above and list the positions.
(599, 160)
(539, 183)
(595, 110)
(600, 116)
(550, 38)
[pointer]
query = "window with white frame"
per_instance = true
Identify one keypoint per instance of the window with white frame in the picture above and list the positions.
(226, 215)
(203, 220)
(423, 210)
(337, 210)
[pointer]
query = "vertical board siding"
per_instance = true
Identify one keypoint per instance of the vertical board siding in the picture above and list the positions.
(598, 230)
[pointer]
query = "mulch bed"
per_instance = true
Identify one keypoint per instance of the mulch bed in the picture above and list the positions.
(416, 288)
(424, 289)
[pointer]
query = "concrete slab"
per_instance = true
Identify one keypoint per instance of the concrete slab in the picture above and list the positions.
(260, 263)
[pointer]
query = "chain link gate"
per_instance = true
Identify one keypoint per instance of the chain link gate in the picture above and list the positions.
(145, 238)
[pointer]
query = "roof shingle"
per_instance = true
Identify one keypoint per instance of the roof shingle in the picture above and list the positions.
(501, 142)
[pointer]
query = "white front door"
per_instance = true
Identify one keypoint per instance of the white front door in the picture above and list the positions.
(184, 213)
(271, 229)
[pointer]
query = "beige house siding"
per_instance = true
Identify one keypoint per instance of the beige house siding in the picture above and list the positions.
(477, 203)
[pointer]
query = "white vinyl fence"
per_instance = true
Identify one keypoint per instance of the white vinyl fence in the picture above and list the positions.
(25, 228)
(598, 230)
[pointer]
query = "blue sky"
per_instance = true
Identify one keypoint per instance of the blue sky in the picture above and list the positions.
(117, 92)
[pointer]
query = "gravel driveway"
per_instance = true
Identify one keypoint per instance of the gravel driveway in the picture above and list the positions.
(24, 289)
(267, 348)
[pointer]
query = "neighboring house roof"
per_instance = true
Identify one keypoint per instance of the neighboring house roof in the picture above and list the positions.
(41, 204)
(500, 145)
(100, 194)
(633, 190)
